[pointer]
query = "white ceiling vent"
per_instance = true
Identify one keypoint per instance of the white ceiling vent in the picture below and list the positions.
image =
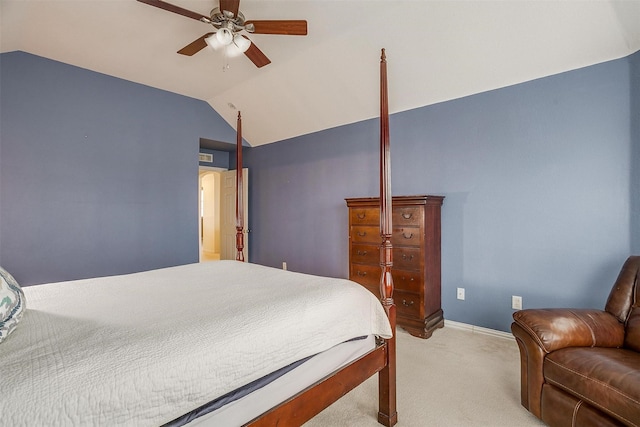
(206, 157)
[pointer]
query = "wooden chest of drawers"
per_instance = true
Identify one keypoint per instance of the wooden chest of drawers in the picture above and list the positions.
(416, 257)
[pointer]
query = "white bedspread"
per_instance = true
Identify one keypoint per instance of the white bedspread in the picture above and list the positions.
(142, 349)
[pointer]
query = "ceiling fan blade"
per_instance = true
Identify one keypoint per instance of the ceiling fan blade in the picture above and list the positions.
(195, 46)
(288, 27)
(175, 9)
(256, 56)
(230, 5)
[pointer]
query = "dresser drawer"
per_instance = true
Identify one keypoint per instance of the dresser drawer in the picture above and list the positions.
(365, 216)
(406, 236)
(366, 234)
(401, 236)
(407, 215)
(408, 305)
(410, 281)
(366, 275)
(403, 258)
(369, 276)
(365, 254)
(406, 258)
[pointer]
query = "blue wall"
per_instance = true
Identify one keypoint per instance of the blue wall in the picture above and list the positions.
(98, 175)
(634, 66)
(536, 178)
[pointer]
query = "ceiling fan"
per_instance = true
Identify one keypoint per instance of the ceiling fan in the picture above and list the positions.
(229, 23)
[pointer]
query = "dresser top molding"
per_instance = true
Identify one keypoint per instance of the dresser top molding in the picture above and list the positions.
(405, 200)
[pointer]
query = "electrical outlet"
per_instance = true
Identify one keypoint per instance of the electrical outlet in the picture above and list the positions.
(516, 302)
(284, 265)
(460, 293)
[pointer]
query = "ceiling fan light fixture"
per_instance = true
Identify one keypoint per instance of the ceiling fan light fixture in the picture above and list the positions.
(212, 42)
(224, 36)
(242, 43)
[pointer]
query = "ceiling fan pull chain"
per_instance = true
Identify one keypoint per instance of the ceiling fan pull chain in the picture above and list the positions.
(225, 65)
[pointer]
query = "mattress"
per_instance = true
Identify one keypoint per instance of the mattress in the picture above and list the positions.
(144, 348)
(269, 392)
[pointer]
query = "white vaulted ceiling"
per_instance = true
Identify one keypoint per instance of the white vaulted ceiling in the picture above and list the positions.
(436, 51)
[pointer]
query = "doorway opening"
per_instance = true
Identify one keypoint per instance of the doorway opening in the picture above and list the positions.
(209, 203)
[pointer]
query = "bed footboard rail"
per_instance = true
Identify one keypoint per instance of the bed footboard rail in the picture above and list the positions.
(314, 399)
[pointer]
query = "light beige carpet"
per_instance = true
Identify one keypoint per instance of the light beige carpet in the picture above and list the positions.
(456, 378)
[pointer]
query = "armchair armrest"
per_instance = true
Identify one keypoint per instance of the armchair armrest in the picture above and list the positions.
(556, 328)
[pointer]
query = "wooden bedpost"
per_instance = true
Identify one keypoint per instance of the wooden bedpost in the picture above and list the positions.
(239, 192)
(387, 414)
(310, 402)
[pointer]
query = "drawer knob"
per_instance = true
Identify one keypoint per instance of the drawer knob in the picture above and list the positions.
(407, 215)
(362, 233)
(404, 279)
(407, 257)
(362, 273)
(361, 215)
(407, 304)
(407, 237)
(361, 252)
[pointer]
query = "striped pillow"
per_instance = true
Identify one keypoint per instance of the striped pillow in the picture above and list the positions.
(12, 304)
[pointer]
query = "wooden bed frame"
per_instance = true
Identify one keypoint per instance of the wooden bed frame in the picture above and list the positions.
(382, 360)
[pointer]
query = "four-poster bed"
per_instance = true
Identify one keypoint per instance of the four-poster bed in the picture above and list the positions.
(181, 344)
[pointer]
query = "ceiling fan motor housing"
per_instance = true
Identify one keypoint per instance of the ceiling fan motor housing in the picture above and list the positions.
(226, 19)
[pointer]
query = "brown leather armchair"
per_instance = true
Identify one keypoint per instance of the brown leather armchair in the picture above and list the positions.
(581, 367)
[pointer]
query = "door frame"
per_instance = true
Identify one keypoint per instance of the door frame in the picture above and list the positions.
(200, 170)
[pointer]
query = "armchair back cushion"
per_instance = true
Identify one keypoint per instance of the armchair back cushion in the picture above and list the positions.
(623, 294)
(624, 303)
(632, 336)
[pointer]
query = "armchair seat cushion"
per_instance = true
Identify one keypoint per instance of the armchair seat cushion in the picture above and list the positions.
(606, 378)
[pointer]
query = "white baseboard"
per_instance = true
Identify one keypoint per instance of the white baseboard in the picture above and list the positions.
(477, 329)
